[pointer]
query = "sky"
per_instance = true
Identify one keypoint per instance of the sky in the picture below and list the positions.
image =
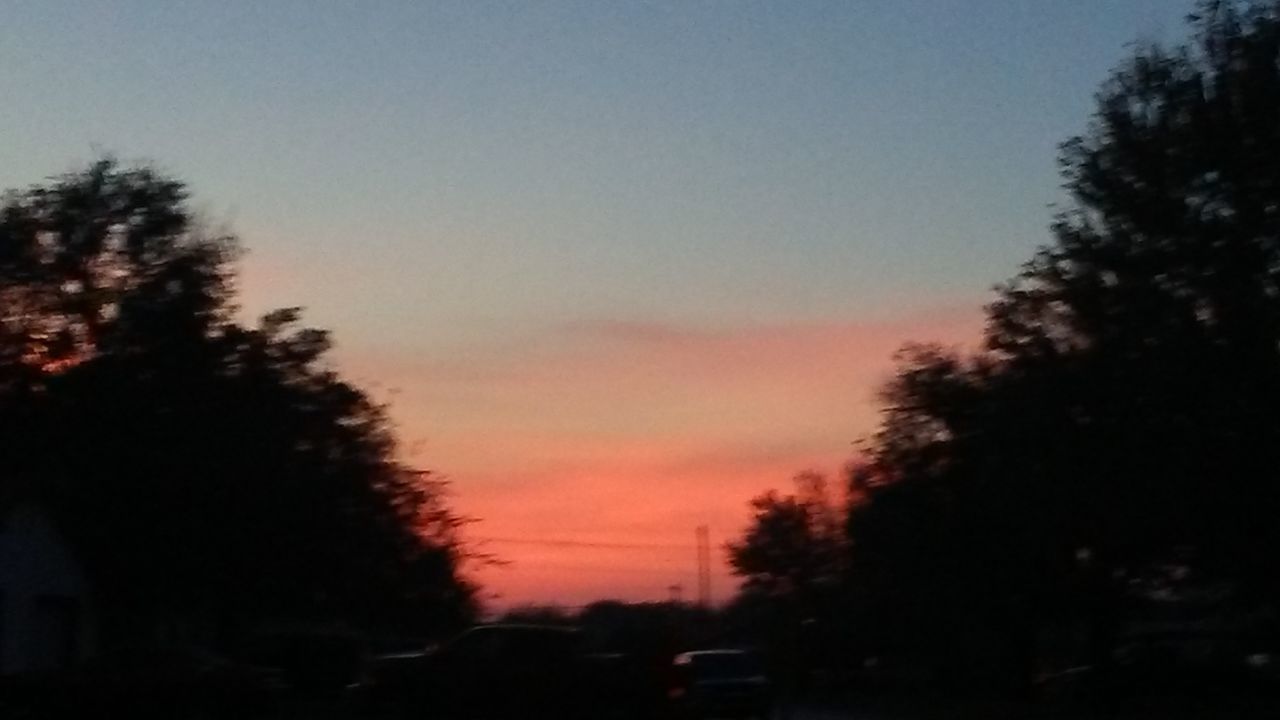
(616, 266)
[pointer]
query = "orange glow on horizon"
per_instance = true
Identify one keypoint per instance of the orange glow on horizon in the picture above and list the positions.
(625, 434)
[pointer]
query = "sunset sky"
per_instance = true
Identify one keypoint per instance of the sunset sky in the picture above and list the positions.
(617, 267)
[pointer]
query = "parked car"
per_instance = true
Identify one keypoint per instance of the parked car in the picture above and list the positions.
(398, 676)
(720, 683)
(323, 665)
(509, 670)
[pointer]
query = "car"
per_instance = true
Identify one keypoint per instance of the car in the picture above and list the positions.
(496, 670)
(314, 665)
(397, 676)
(720, 683)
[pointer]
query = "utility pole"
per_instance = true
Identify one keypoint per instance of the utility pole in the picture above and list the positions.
(704, 566)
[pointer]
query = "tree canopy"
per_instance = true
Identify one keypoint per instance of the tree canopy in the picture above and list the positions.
(1120, 414)
(794, 543)
(198, 463)
(1122, 409)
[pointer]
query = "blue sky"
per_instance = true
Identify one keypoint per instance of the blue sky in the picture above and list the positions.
(448, 184)
(488, 162)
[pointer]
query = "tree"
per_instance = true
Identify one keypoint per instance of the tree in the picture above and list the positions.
(1122, 409)
(202, 466)
(1158, 306)
(793, 545)
(792, 559)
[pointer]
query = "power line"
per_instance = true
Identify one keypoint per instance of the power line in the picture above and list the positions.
(556, 542)
(589, 570)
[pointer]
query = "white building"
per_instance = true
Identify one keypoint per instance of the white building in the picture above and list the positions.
(45, 603)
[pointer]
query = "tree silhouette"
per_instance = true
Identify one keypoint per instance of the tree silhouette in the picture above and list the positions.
(791, 558)
(794, 542)
(1123, 407)
(202, 467)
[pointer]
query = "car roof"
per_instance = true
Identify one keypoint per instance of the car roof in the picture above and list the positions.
(525, 628)
(692, 655)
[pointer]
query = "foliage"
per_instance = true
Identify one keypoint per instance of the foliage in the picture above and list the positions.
(1123, 406)
(201, 465)
(1119, 419)
(793, 544)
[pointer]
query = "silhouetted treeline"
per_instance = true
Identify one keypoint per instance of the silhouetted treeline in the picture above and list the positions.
(209, 474)
(649, 628)
(1116, 440)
